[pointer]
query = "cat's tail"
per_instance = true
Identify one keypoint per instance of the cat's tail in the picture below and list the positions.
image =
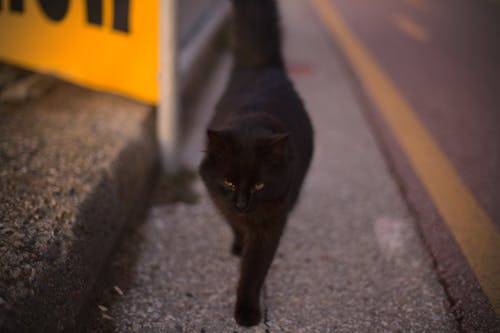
(257, 34)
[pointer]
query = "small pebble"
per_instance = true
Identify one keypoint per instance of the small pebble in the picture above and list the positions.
(105, 316)
(118, 290)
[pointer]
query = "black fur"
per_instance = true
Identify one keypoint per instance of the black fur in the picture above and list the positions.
(260, 135)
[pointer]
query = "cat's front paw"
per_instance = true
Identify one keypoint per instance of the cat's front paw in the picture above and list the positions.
(247, 315)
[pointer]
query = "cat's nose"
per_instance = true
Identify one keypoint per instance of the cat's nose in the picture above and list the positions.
(241, 203)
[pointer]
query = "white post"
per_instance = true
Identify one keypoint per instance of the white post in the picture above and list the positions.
(167, 112)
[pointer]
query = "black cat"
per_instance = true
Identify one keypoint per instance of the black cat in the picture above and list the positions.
(259, 147)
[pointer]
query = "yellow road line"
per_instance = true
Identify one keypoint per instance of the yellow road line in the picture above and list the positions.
(471, 227)
(411, 28)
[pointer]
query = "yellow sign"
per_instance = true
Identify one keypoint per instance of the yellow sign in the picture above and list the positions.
(105, 44)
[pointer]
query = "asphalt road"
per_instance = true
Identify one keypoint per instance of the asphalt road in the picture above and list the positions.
(443, 59)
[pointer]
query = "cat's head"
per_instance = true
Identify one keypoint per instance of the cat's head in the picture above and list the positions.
(244, 172)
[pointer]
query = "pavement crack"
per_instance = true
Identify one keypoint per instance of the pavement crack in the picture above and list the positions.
(451, 300)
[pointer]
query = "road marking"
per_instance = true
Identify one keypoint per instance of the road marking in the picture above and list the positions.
(469, 224)
(410, 28)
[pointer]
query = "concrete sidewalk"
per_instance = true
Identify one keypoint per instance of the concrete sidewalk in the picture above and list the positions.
(351, 259)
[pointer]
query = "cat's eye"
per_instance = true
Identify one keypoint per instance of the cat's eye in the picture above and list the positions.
(229, 185)
(259, 186)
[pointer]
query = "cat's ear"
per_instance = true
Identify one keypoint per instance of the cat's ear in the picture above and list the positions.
(277, 144)
(218, 140)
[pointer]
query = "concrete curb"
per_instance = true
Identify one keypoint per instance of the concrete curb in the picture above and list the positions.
(75, 165)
